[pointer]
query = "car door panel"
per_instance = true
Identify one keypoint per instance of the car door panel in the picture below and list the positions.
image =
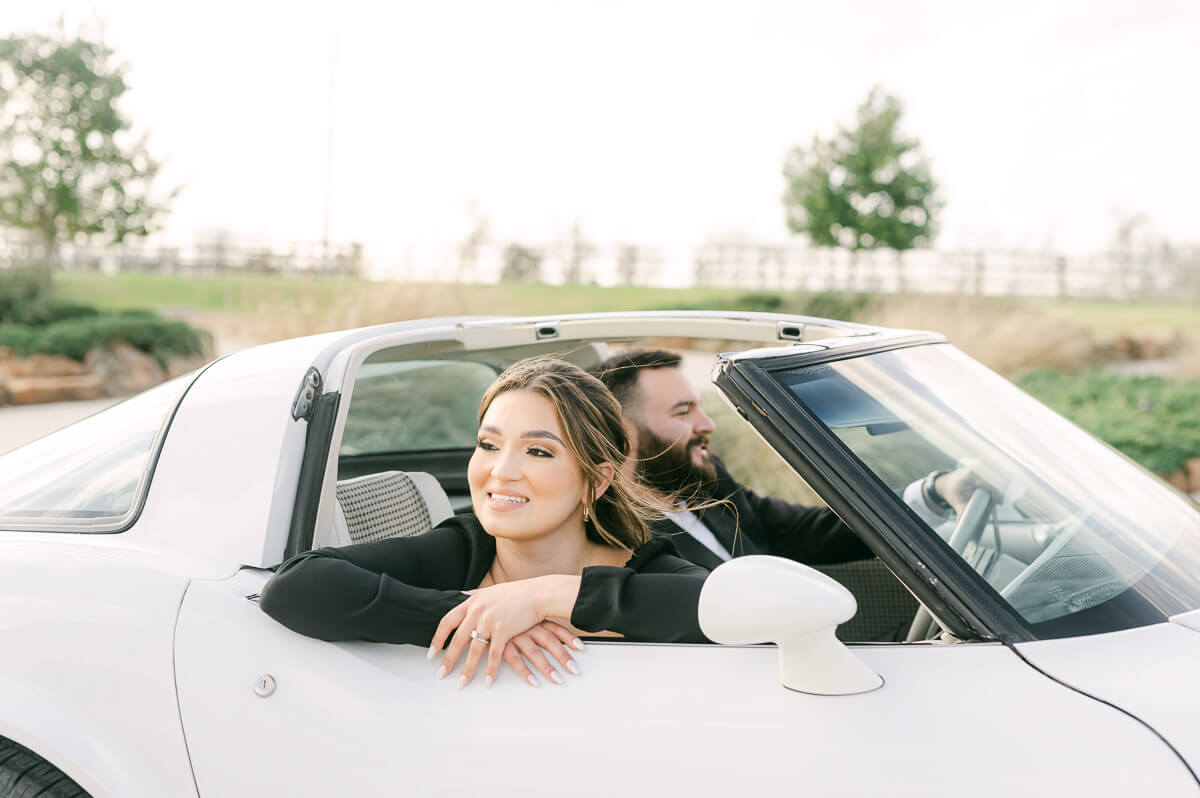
(370, 719)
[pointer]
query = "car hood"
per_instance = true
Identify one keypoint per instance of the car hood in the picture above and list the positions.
(1149, 672)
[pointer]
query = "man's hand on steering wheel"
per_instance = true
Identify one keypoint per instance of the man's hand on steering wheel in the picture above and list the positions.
(956, 487)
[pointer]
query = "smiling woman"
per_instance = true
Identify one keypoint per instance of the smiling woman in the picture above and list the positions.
(557, 546)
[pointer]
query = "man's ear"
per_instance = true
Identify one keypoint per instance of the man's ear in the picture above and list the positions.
(631, 432)
(606, 472)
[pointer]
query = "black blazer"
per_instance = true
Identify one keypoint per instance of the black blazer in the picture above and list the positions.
(753, 524)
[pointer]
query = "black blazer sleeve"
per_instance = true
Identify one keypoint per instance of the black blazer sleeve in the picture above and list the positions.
(653, 597)
(390, 591)
(811, 535)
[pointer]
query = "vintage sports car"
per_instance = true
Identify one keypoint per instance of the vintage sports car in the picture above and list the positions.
(1045, 642)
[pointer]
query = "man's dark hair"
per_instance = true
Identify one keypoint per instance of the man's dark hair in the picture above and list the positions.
(620, 372)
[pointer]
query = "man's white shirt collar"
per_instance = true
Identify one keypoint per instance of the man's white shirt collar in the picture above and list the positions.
(686, 520)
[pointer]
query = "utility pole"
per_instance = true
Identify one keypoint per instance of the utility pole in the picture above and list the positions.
(333, 46)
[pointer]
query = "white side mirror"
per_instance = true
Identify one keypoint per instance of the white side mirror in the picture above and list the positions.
(760, 599)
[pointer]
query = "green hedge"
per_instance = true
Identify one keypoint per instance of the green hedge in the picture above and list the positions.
(1153, 420)
(22, 299)
(17, 338)
(829, 305)
(75, 337)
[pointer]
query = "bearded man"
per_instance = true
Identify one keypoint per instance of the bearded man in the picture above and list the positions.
(669, 433)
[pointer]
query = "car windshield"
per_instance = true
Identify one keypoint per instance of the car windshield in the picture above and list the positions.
(1076, 537)
(86, 476)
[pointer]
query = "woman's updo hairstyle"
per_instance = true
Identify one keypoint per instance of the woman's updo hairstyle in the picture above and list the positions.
(590, 418)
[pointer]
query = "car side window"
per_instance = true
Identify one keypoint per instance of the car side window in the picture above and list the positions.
(415, 405)
(86, 477)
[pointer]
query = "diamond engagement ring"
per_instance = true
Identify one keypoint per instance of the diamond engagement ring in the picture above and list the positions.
(476, 636)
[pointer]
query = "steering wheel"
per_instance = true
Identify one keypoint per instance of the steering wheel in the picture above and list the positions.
(968, 529)
(972, 522)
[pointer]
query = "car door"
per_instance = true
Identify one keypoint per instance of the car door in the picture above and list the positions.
(269, 712)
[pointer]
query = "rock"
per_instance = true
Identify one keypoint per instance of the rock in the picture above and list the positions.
(1179, 479)
(181, 364)
(43, 378)
(5, 355)
(34, 390)
(1193, 472)
(123, 370)
(44, 366)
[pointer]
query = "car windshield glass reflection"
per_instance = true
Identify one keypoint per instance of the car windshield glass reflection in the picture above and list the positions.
(1074, 536)
(89, 472)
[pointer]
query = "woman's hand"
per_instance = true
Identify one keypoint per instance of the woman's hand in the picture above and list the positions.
(547, 637)
(499, 613)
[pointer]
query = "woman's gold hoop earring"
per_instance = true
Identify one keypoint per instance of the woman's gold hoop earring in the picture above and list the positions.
(586, 515)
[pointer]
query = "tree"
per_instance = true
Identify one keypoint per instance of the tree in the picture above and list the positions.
(865, 187)
(69, 164)
(521, 264)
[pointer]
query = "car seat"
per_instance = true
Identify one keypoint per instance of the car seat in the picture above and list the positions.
(387, 504)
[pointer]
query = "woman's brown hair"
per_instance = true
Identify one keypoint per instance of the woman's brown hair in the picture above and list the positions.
(590, 418)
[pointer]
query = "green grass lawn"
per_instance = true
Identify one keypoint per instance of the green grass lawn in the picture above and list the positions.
(252, 293)
(1108, 317)
(257, 294)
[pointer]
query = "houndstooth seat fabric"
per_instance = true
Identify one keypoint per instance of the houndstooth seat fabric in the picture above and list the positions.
(387, 504)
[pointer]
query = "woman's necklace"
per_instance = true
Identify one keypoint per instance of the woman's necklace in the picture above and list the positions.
(496, 566)
(498, 574)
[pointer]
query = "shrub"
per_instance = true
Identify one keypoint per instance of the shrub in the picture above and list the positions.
(22, 298)
(17, 338)
(24, 301)
(843, 307)
(74, 338)
(65, 311)
(830, 305)
(78, 335)
(1153, 420)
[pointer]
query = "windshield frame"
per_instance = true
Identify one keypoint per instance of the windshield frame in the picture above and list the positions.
(773, 372)
(960, 599)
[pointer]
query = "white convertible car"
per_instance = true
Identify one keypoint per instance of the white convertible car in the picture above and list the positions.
(1048, 640)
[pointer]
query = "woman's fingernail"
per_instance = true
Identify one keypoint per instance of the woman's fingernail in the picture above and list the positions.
(431, 653)
(462, 682)
(577, 644)
(556, 677)
(572, 667)
(533, 680)
(441, 672)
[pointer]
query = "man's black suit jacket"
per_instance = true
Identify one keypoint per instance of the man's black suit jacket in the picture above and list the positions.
(751, 524)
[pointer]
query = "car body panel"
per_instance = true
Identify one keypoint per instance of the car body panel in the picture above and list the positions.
(369, 719)
(225, 483)
(1150, 672)
(86, 661)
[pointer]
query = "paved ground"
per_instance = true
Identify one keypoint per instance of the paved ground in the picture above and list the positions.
(20, 425)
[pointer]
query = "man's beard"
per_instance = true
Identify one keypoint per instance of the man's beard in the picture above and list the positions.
(668, 467)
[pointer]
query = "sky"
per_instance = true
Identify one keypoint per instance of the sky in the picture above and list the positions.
(1047, 123)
